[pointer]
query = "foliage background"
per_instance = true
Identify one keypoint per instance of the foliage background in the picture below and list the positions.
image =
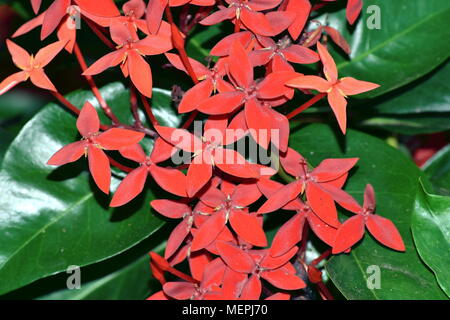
(50, 219)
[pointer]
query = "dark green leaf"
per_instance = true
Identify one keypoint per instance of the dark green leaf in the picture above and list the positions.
(412, 41)
(437, 169)
(50, 217)
(394, 177)
(410, 125)
(431, 231)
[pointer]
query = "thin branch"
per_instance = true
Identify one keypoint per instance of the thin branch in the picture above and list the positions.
(306, 105)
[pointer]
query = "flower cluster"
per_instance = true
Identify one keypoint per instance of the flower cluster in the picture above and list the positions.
(224, 197)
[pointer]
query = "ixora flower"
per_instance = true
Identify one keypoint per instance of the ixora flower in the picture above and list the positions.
(32, 66)
(93, 144)
(336, 89)
(352, 230)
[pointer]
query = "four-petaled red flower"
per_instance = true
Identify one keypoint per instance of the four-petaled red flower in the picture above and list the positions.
(352, 230)
(32, 66)
(93, 144)
(337, 89)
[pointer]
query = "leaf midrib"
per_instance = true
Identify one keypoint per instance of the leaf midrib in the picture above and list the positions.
(387, 41)
(53, 221)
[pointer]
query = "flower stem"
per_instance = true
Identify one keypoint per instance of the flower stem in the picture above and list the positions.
(306, 105)
(106, 109)
(99, 33)
(148, 110)
(237, 25)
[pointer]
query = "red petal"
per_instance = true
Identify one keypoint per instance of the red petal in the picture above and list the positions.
(273, 85)
(280, 20)
(259, 122)
(29, 25)
(288, 235)
(235, 258)
(133, 152)
(233, 283)
(135, 8)
(283, 279)
(300, 54)
(222, 48)
(198, 174)
(241, 68)
(219, 16)
(46, 54)
(269, 262)
(179, 290)
(302, 8)
(176, 238)
(195, 95)
(245, 194)
(99, 168)
(162, 150)
(339, 106)
(103, 8)
(40, 79)
(338, 39)
(213, 197)
(293, 162)
(116, 138)
(280, 123)
(171, 180)
(155, 10)
(203, 268)
(309, 82)
(200, 70)
(282, 196)
(261, 5)
(88, 122)
(222, 103)
(170, 208)
(20, 56)
(323, 231)
(385, 231)
(11, 81)
(279, 296)
(130, 187)
(112, 59)
(350, 86)
(231, 162)
(353, 10)
(349, 233)
(331, 169)
(329, 66)
(140, 73)
(53, 16)
(257, 22)
(248, 228)
(180, 138)
(252, 289)
(209, 231)
(36, 4)
(322, 204)
(369, 197)
(68, 153)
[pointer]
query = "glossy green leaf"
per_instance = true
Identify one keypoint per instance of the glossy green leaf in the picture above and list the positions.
(394, 177)
(410, 124)
(412, 40)
(430, 93)
(50, 217)
(431, 231)
(437, 169)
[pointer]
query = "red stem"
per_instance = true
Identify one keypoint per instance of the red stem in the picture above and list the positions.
(99, 33)
(306, 105)
(148, 110)
(106, 109)
(237, 25)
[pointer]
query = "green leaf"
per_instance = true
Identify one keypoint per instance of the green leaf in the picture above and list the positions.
(410, 124)
(50, 217)
(431, 231)
(430, 93)
(437, 169)
(412, 41)
(203, 39)
(394, 177)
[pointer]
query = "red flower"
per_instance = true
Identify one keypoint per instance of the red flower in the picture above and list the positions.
(269, 24)
(211, 80)
(291, 232)
(259, 264)
(230, 205)
(337, 89)
(321, 185)
(93, 144)
(208, 152)
(352, 230)
(169, 179)
(32, 66)
(130, 55)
